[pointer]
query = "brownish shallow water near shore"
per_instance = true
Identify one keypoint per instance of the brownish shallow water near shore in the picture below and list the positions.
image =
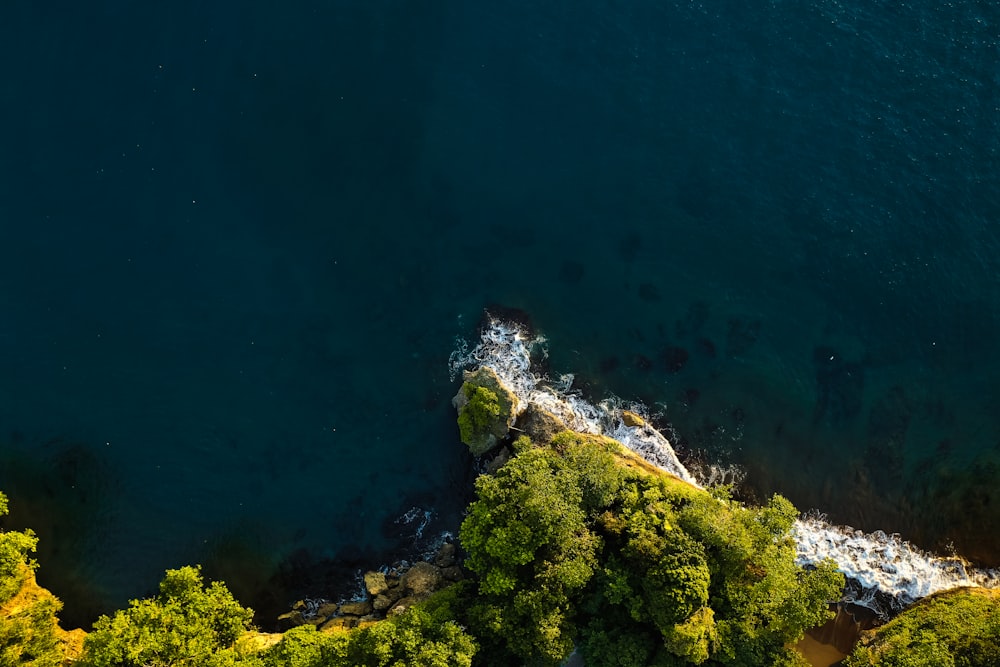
(833, 641)
(819, 655)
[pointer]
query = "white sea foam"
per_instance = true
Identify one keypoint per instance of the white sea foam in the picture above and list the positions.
(884, 571)
(416, 518)
(507, 350)
(885, 563)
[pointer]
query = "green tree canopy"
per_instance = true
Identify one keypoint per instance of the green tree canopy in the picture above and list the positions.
(14, 549)
(28, 620)
(529, 543)
(583, 542)
(186, 624)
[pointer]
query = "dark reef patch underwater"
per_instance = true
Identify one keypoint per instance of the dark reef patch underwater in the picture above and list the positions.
(238, 243)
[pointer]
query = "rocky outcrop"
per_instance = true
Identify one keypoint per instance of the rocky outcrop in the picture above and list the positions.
(375, 583)
(421, 580)
(446, 555)
(632, 419)
(387, 593)
(486, 410)
(539, 424)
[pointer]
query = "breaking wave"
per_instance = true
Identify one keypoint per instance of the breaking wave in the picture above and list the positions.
(507, 350)
(885, 573)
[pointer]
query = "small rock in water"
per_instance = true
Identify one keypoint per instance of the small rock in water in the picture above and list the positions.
(632, 419)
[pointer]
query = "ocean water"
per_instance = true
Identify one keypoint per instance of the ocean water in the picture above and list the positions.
(238, 244)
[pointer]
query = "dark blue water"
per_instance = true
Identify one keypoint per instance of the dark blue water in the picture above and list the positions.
(237, 243)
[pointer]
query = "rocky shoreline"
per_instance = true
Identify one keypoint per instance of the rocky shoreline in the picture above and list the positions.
(386, 592)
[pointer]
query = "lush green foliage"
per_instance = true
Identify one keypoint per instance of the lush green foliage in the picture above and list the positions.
(186, 624)
(14, 549)
(528, 539)
(28, 620)
(478, 415)
(28, 635)
(954, 629)
(303, 646)
(579, 542)
(412, 639)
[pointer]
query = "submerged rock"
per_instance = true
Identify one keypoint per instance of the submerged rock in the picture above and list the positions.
(486, 409)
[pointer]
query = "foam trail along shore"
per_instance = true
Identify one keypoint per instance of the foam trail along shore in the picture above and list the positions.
(885, 573)
(507, 350)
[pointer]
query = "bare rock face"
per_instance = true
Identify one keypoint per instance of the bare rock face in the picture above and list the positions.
(375, 583)
(421, 580)
(362, 608)
(403, 605)
(382, 603)
(486, 409)
(632, 419)
(445, 556)
(290, 620)
(539, 424)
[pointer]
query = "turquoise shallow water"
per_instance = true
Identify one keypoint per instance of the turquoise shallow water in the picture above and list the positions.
(237, 245)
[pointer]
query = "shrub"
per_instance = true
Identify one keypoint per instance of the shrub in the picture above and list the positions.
(303, 646)
(28, 622)
(477, 417)
(185, 624)
(14, 561)
(959, 627)
(412, 639)
(28, 626)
